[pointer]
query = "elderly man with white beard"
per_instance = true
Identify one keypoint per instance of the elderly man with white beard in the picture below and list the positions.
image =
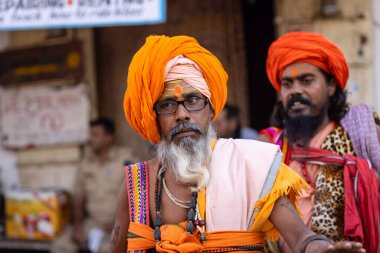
(200, 194)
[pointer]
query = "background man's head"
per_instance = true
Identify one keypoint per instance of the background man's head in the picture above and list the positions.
(227, 123)
(102, 132)
(310, 74)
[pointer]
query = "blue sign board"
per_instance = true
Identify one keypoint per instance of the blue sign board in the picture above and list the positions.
(43, 14)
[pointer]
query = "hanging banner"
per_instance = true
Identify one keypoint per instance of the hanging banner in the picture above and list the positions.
(36, 116)
(42, 14)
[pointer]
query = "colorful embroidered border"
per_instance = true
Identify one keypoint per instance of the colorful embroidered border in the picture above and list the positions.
(138, 192)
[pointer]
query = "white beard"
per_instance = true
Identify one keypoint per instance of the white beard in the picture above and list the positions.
(189, 160)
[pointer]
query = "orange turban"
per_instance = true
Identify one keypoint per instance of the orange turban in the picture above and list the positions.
(306, 47)
(146, 76)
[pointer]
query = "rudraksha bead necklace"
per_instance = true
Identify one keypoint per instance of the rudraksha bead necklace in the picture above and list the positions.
(193, 217)
(157, 219)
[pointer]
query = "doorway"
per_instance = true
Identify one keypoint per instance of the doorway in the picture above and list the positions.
(259, 30)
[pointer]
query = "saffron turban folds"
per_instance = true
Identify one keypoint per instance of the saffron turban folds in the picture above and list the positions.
(305, 47)
(146, 76)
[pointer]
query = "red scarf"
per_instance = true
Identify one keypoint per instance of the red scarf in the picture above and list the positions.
(361, 191)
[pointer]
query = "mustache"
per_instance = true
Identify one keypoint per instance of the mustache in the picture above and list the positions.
(299, 99)
(185, 125)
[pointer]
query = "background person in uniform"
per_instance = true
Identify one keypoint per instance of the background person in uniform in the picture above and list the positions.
(97, 184)
(228, 125)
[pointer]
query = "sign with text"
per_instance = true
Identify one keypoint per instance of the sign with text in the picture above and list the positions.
(36, 116)
(40, 14)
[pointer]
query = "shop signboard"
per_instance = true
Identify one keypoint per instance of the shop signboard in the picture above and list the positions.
(44, 115)
(42, 14)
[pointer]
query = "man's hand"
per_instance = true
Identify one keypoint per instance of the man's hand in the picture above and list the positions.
(286, 219)
(78, 235)
(338, 247)
(344, 247)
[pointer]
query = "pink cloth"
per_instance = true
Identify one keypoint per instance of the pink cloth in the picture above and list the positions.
(239, 169)
(183, 68)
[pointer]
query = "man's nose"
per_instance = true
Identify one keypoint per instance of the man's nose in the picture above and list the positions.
(296, 88)
(182, 113)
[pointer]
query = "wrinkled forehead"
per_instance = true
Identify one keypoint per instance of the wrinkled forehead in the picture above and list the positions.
(177, 89)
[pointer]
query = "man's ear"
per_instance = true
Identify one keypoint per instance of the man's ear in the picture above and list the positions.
(332, 86)
(158, 126)
(211, 114)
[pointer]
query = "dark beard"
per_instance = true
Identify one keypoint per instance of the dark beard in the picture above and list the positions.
(300, 130)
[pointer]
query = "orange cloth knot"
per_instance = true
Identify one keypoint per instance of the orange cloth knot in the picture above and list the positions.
(175, 239)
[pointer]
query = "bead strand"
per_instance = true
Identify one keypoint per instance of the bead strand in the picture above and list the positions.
(192, 213)
(157, 219)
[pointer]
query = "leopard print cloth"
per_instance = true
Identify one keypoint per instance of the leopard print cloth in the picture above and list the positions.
(328, 212)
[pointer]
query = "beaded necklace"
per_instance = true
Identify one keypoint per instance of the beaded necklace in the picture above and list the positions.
(193, 217)
(177, 202)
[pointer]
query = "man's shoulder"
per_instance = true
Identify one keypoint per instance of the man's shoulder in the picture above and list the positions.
(150, 165)
(138, 164)
(360, 112)
(237, 154)
(245, 146)
(360, 117)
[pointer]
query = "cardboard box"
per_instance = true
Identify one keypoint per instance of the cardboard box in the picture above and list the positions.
(37, 215)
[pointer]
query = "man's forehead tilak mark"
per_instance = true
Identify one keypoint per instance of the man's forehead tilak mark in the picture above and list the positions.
(294, 73)
(176, 88)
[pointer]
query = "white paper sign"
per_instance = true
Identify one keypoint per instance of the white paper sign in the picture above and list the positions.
(44, 115)
(39, 14)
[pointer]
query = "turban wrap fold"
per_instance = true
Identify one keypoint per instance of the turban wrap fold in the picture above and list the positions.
(305, 47)
(146, 77)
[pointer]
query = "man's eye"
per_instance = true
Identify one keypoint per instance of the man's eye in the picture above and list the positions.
(307, 80)
(285, 84)
(167, 104)
(193, 100)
